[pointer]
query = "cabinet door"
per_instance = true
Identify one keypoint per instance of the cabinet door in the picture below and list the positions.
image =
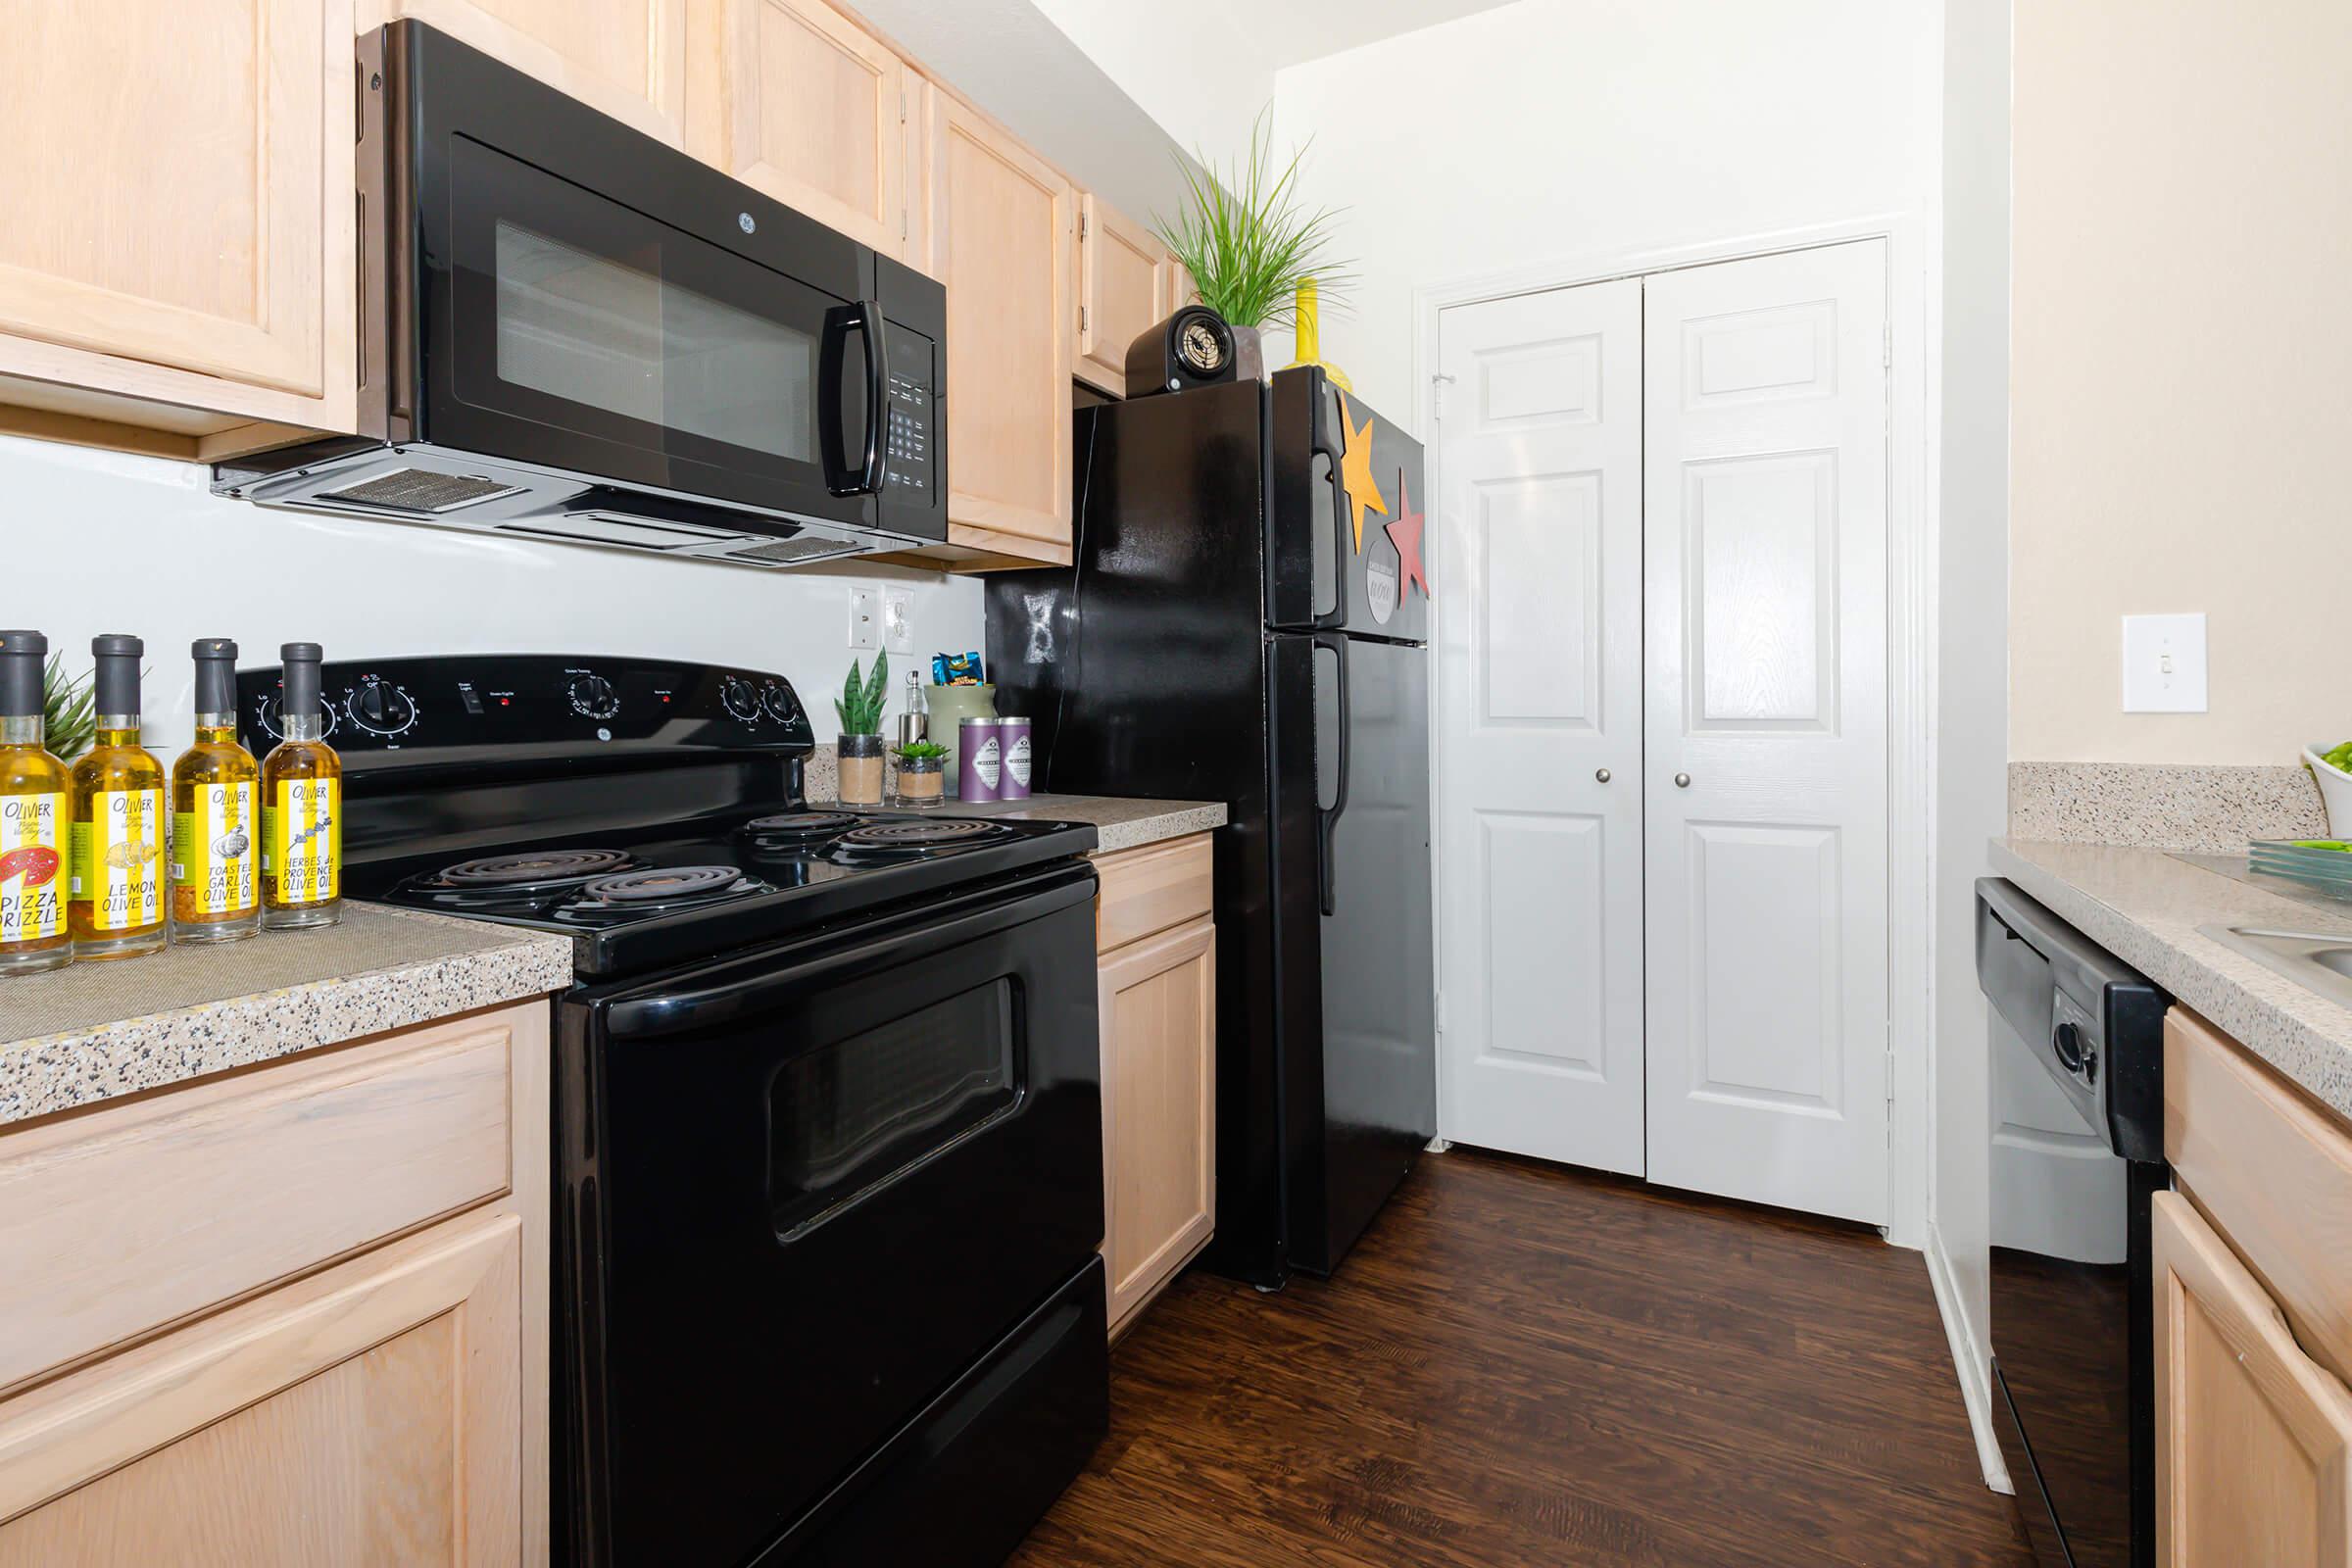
(177, 185)
(621, 58)
(1159, 1137)
(1002, 233)
(2252, 1437)
(1125, 282)
(372, 1413)
(819, 115)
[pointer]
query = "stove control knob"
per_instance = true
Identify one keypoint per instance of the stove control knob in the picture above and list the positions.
(776, 698)
(593, 697)
(740, 698)
(380, 708)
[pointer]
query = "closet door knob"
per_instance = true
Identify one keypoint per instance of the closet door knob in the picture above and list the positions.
(1682, 781)
(1601, 773)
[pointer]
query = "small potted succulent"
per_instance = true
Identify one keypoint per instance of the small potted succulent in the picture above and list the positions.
(922, 774)
(859, 748)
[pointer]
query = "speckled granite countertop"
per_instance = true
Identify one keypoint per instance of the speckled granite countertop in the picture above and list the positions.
(2144, 906)
(1121, 823)
(91, 1031)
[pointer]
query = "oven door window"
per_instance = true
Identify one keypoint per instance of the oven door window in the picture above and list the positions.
(606, 341)
(856, 1115)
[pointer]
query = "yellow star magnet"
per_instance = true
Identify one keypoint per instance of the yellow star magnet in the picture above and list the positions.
(1355, 472)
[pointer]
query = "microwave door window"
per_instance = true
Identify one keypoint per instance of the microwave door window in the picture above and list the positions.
(594, 330)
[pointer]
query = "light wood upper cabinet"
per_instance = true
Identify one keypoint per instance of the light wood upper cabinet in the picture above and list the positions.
(177, 191)
(1003, 228)
(623, 58)
(1126, 282)
(373, 1413)
(2253, 1439)
(817, 113)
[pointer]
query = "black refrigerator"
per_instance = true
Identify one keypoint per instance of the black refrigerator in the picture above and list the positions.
(1246, 620)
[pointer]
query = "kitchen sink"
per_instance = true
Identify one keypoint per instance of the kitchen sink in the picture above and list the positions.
(2318, 960)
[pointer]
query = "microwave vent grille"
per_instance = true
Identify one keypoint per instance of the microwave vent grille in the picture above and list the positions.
(792, 552)
(422, 490)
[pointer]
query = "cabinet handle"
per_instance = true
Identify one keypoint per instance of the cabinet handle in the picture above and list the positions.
(1601, 773)
(1682, 781)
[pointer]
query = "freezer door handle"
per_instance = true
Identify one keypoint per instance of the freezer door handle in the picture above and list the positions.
(1329, 819)
(1322, 446)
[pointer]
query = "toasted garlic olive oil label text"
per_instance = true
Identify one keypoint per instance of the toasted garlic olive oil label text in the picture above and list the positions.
(215, 853)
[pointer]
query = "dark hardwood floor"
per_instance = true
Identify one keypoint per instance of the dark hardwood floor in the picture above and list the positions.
(1521, 1365)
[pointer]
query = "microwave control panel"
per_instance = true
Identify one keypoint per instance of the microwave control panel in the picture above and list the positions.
(908, 446)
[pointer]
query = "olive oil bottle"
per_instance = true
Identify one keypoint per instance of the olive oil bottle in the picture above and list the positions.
(215, 812)
(302, 805)
(115, 903)
(36, 789)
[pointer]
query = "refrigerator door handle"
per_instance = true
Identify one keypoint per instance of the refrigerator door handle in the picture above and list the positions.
(1322, 446)
(1329, 819)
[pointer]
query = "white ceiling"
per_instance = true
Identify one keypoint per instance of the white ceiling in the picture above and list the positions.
(1291, 32)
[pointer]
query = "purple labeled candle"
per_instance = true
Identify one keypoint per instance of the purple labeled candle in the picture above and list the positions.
(979, 760)
(1013, 735)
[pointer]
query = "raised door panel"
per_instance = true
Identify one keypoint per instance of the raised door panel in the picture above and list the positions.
(178, 182)
(373, 1414)
(1159, 1021)
(818, 116)
(1125, 283)
(2253, 1439)
(1000, 241)
(623, 58)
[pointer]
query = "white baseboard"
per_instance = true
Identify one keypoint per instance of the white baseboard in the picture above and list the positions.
(1976, 1386)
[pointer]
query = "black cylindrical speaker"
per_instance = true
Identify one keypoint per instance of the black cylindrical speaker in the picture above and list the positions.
(1192, 348)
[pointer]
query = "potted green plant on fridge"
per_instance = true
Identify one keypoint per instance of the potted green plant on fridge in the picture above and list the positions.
(859, 748)
(1250, 243)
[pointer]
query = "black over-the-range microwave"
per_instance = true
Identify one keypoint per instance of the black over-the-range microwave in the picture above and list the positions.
(570, 331)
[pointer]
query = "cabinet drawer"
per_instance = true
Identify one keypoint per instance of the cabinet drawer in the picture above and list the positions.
(2272, 1169)
(118, 1222)
(1152, 890)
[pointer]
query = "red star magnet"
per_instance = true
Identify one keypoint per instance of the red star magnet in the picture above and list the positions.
(1406, 534)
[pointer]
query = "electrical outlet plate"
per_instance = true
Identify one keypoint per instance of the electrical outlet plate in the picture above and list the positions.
(898, 620)
(866, 618)
(2164, 663)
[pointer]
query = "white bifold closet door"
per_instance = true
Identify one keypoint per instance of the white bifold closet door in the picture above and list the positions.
(1765, 764)
(1538, 725)
(1665, 520)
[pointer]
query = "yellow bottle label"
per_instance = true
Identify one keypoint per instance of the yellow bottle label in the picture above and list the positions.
(215, 852)
(119, 859)
(32, 866)
(302, 832)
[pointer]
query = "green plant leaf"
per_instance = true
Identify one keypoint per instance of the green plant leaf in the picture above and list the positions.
(69, 710)
(877, 685)
(1247, 240)
(850, 704)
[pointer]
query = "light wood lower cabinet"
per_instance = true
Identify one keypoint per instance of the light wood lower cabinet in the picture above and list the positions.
(292, 1315)
(1157, 994)
(177, 249)
(2253, 1437)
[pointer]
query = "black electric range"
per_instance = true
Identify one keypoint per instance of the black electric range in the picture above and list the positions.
(828, 1161)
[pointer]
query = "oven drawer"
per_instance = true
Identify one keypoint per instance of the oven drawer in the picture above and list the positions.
(119, 1222)
(1152, 890)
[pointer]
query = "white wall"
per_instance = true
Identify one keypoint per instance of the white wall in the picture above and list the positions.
(1971, 676)
(99, 541)
(1197, 70)
(1552, 129)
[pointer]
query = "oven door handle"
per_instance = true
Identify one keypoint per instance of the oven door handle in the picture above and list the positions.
(745, 991)
(864, 317)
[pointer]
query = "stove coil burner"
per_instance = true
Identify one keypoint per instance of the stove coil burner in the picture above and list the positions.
(663, 884)
(938, 834)
(801, 826)
(541, 868)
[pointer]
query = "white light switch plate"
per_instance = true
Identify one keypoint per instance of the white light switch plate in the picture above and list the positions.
(898, 620)
(866, 622)
(2164, 663)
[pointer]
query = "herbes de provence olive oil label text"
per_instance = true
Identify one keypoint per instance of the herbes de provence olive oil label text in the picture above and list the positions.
(302, 832)
(32, 866)
(215, 852)
(118, 859)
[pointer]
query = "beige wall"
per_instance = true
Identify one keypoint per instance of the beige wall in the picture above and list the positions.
(2182, 370)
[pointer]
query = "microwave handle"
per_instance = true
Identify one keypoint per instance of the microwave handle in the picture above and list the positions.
(864, 317)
